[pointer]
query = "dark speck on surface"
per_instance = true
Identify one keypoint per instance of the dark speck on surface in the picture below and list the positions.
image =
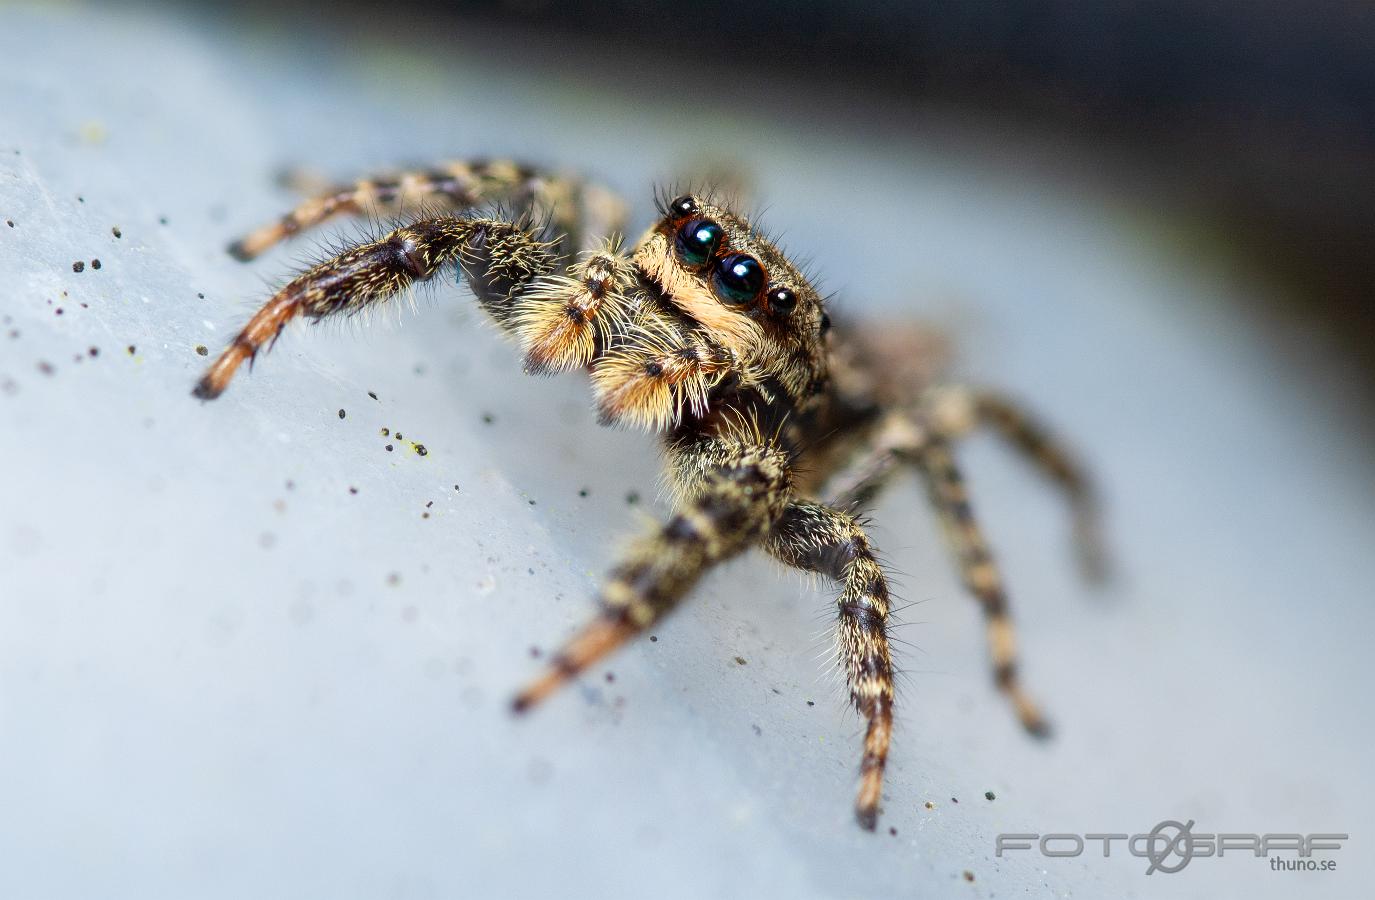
(893, 831)
(199, 295)
(353, 490)
(534, 652)
(78, 266)
(202, 350)
(968, 875)
(116, 232)
(162, 220)
(582, 493)
(988, 795)
(9, 222)
(132, 349)
(654, 639)
(740, 661)
(46, 367)
(610, 677)
(95, 264)
(532, 503)
(388, 448)
(811, 703)
(758, 732)
(94, 352)
(342, 413)
(372, 394)
(488, 418)
(954, 799)
(385, 432)
(421, 450)
(632, 497)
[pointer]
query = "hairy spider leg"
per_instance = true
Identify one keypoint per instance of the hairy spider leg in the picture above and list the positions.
(946, 487)
(1057, 464)
(585, 213)
(499, 258)
(736, 493)
(817, 538)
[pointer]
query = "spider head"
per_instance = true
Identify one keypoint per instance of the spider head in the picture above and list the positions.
(717, 268)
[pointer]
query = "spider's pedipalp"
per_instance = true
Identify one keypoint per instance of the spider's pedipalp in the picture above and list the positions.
(560, 319)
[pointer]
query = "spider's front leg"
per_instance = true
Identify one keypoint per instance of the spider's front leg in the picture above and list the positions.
(555, 317)
(817, 538)
(586, 213)
(732, 493)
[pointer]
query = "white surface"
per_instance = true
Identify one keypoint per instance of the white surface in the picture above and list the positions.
(214, 685)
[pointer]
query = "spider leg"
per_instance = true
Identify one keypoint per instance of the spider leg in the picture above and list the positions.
(857, 484)
(980, 573)
(586, 213)
(820, 539)
(956, 410)
(500, 259)
(735, 492)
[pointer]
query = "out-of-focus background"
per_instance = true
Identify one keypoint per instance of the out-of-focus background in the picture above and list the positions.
(247, 649)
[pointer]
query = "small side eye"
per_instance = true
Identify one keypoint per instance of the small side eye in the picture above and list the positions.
(698, 241)
(782, 301)
(825, 323)
(683, 206)
(739, 278)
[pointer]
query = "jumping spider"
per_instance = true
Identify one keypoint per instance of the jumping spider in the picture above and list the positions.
(708, 335)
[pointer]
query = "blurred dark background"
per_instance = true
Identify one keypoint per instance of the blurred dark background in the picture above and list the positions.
(1254, 120)
(1250, 124)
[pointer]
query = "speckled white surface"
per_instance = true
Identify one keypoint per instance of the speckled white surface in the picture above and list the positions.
(224, 674)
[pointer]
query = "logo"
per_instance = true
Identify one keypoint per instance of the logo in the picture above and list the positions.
(1170, 846)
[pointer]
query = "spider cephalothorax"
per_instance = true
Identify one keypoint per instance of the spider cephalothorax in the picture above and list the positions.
(709, 335)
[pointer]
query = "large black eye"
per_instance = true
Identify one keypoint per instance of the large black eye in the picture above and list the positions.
(683, 206)
(739, 278)
(782, 301)
(698, 240)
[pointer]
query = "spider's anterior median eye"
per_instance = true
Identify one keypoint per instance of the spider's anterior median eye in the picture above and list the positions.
(782, 301)
(683, 206)
(698, 241)
(739, 278)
